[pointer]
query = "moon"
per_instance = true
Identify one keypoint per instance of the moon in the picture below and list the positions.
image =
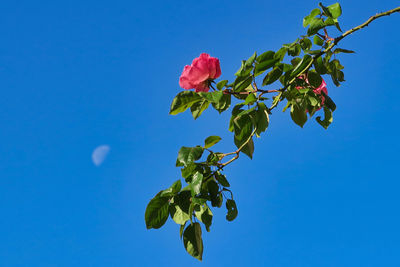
(99, 154)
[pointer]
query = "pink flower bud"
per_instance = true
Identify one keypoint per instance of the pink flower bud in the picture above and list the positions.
(200, 73)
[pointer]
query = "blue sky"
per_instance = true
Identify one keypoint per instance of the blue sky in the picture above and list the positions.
(75, 75)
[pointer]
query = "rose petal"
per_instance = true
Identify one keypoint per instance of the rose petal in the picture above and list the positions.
(184, 81)
(214, 68)
(197, 75)
(201, 63)
(321, 87)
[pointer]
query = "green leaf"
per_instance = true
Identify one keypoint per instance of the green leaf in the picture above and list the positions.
(314, 78)
(315, 25)
(325, 10)
(338, 27)
(299, 115)
(273, 75)
(318, 40)
(250, 99)
(329, 102)
(232, 210)
(213, 97)
(242, 83)
(312, 52)
(178, 215)
(335, 10)
(251, 59)
(198, 201)
(195, 184)
(327, 120)
(341, 50)
(235, 111)
(244, 70)
(295, 61)
(330, 22)
(188, 155)
(327, 57)
(192, 240)
(294, 50)
(319, 66)
(221, 179)
(204, 215)
(223, 103)
(213, 158)
(313, 101)
(305, 43)
(176, 187)
(211, 140)
(248, 149)
(265, 61)
(183, 200)
(285, 78)
(264, 65)
(183, 101)
(304, 64)
(188, 170)
(214, 195)
(265, 56)
(221, 84)
(157, 212)
(262, 118)
(310, 17)
(246, 112)
(173, 190)
(280, 54)
(340, 76)
(243, 125)
(213, 190)
(241, 69)
(334, 68)
(286, 67)
(198, 108)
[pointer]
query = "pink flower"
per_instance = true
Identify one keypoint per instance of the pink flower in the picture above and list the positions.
(200, 73)
(321, 88)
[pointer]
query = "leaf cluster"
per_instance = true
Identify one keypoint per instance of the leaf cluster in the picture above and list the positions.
(190, 206)
(297, 69)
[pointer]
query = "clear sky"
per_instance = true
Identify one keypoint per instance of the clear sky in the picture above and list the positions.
(75, 75)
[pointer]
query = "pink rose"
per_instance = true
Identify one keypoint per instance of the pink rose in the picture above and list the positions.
(200, 73)
(321, 88)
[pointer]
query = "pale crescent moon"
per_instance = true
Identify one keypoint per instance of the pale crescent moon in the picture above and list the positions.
(99, 154)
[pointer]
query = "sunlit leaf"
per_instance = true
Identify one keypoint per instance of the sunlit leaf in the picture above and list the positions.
(192, 240)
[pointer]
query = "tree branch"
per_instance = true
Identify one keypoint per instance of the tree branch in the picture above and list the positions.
(365, 24)
(281, 90)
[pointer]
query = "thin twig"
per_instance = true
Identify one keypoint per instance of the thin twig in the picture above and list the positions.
(237, 152)
(365, 24)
